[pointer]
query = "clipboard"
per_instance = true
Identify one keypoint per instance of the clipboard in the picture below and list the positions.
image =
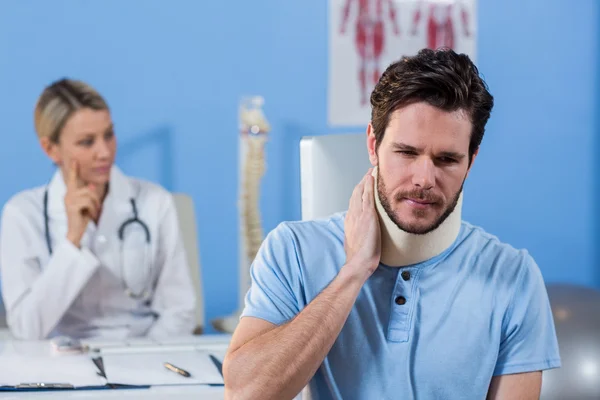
(38, 387)
(125, 379)
(37, 367)
(51, 373)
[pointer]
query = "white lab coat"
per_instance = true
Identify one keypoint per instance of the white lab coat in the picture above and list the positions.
(81, 292)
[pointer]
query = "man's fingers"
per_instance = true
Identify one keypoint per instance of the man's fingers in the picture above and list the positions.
(368, 193)
(356, 199)
(358, 195)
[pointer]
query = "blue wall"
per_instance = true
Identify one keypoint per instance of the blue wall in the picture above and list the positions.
(534, 183)
(173, 73)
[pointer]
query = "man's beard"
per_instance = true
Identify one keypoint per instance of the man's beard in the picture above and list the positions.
(415, 194)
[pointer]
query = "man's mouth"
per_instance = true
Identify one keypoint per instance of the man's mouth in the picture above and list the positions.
(419, 203)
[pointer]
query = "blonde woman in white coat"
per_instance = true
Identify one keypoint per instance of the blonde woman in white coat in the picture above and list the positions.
(93, 253)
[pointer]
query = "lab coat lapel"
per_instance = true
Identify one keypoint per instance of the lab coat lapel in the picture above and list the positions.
(118, 199)
(116, 208)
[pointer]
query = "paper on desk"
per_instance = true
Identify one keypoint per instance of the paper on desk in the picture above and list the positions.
(100, 343)
(149, 369)
(75, 369)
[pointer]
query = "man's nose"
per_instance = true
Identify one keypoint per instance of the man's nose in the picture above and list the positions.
(423, 173)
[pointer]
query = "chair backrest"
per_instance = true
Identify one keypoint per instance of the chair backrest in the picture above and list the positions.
(3, 323)
(187, 223)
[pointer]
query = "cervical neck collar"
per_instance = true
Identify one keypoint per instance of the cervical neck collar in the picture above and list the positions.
(400, 248)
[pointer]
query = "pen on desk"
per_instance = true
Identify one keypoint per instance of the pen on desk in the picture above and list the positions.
(217, 363)
(180, 371)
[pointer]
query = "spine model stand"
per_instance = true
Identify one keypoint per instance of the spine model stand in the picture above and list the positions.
(254, 129)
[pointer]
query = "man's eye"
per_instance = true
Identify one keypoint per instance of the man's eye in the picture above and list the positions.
(447, 160)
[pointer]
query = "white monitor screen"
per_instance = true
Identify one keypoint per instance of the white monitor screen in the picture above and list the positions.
(330, 167)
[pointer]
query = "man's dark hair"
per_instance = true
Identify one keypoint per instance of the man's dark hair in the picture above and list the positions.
(441, 78)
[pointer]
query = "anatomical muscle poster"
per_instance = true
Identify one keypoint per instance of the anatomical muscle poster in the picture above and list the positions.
(365, 36)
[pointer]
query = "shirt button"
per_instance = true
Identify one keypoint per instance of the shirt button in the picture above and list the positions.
(405, 275)
(101, 239)
(400, 300)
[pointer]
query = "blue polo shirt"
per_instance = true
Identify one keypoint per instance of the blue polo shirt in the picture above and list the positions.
(439, 329)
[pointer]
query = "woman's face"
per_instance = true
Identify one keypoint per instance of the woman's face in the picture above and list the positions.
(87, 140)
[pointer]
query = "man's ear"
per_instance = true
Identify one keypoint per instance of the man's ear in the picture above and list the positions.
(51, 150)
(372, 146)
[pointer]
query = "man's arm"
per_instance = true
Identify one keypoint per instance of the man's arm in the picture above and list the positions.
(275, 362)
(525, 386)
(266, 361)
(529, 343)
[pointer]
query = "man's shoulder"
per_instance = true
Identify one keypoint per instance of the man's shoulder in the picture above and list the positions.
(311, 231)
(489, 248)
(300, 248)
(504, 266)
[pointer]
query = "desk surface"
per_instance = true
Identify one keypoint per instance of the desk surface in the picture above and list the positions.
(215, 343)
(170, 392)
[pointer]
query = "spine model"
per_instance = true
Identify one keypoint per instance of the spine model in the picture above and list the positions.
(254, 129)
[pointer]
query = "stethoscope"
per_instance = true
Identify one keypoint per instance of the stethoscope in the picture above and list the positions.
(121, 233)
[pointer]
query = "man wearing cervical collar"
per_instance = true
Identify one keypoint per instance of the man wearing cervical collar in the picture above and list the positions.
(398, 298)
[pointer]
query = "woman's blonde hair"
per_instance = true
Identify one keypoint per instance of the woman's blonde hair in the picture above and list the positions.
(59, 101)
